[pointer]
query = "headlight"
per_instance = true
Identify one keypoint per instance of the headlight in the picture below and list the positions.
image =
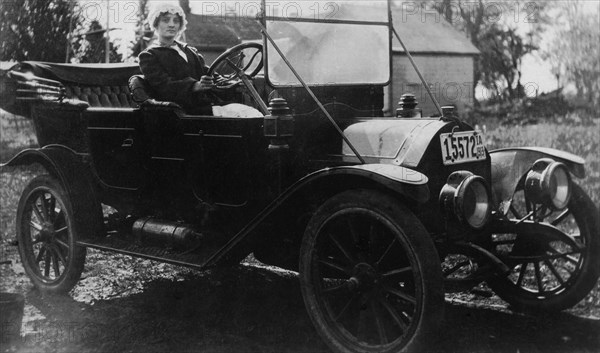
(548, 183)
(466, 197)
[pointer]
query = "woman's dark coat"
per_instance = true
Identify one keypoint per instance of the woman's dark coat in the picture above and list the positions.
(172, 78)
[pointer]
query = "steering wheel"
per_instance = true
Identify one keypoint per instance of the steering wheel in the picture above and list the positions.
(244, 59)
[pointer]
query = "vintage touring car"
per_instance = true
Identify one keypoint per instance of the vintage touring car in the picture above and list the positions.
(379, 215)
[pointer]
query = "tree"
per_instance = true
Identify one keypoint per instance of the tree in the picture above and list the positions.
(35, 29)
(185, 5)
(91, 46)
(144, 31)
(502, 55)
(575, 49)
(493, 28)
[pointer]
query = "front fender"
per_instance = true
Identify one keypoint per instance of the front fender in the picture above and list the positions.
(401, 180)
(509, 165)
(323, 184)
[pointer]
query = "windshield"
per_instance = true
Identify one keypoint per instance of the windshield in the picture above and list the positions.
(329, 42)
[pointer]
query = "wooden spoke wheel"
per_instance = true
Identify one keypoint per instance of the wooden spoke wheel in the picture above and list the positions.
(370, 275)
(47, 234)
(550, 272)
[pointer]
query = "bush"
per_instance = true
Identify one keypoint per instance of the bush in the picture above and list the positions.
(551, 108)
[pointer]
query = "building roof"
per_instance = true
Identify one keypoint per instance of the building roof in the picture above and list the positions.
(219, 32)
(429, 34)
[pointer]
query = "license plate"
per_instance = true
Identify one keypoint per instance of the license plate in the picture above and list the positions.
(461, 147)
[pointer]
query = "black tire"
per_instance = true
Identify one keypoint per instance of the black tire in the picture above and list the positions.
(47, 233)
(370, 275)
(561, 274)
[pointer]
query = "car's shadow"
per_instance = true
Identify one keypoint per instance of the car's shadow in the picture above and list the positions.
(249, 309)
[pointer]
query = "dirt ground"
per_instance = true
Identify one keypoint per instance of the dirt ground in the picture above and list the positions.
(131, 305)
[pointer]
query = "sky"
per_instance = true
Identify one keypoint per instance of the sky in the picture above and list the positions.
(122, 15)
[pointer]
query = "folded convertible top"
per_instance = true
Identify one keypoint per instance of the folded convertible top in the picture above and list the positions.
(82, 74)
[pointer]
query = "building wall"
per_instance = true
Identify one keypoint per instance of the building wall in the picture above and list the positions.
(450, 78)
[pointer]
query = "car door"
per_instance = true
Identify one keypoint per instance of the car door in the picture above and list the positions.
(226, 155)
(118, 146)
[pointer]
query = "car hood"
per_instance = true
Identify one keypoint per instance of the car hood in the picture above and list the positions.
(395, 141)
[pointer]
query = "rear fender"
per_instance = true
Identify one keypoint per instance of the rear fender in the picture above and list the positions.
(74, 175)
(510, 165)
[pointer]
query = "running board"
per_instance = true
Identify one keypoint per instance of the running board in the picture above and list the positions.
(196, 259)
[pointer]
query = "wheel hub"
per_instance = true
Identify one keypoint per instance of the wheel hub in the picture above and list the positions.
(364, 277)
(46, 233)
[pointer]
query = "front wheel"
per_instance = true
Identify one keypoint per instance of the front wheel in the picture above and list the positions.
(550, 273)
(47, 234)
(370, 275)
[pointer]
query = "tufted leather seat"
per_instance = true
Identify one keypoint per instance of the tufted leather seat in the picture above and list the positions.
(99, 85)
(102, 96)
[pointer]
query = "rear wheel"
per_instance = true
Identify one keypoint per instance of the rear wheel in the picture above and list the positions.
(550, 273)
(370, 275)
(47, 235)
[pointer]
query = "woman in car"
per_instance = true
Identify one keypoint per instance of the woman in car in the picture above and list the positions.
(177, 72)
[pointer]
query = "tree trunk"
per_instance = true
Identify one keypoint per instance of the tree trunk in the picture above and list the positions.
(185, 5)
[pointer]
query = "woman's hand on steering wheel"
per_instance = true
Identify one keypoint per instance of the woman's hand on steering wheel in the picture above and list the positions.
(206, 83)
